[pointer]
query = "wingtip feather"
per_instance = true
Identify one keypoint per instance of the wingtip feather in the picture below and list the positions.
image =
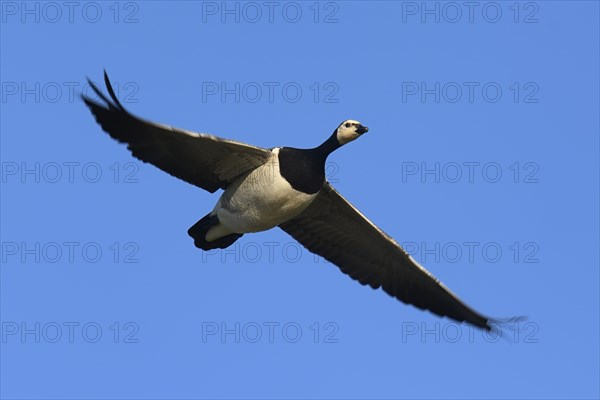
(100, 94)
(111, 92)
(499, 323)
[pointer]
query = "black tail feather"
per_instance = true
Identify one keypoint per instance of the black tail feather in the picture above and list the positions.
(198, 233)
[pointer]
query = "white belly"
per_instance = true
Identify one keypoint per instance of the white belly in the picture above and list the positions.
(260, 200)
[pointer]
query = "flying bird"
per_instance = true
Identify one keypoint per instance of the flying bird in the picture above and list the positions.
(284, 187)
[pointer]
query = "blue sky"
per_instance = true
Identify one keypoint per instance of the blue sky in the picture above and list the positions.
(482, 159)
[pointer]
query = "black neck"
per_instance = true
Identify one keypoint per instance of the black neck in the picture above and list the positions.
(328, 146)
(304, 169)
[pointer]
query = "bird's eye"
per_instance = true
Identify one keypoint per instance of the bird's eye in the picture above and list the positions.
(348, 124)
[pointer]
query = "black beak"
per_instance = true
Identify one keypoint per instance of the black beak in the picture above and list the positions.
(360, 129)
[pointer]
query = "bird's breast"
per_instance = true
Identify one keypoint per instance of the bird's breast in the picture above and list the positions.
(262, 199)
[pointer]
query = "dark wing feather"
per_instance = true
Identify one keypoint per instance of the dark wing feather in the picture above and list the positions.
(206, 161)
(334, 229)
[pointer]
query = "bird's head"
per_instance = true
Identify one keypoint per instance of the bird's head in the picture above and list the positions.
(349, 130)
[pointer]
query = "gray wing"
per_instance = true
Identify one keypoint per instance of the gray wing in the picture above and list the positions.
(206, 161)
(332, 228)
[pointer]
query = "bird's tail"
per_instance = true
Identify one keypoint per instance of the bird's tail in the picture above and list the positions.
(198, 233)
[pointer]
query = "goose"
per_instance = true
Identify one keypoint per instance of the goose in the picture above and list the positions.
(284, 187)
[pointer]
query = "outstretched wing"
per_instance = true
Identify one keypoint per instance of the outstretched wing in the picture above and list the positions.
(332, 228)
(206, 161)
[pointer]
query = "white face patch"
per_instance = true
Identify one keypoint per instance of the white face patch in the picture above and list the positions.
(346, 132)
